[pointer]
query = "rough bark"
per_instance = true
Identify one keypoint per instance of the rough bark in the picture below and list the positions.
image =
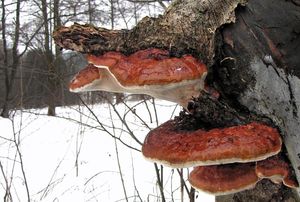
(263, 74)
(263, 191)
(187, 26)
(253, 63)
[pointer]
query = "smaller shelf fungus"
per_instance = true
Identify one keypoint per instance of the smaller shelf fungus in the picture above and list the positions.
(232, 178)
(151, 71)
(224, 179)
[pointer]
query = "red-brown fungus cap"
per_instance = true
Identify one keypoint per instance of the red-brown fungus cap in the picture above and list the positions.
(84, 77)
(224, 179)
(277, 169)
(149, 67)
(245, 143)
(109, 59)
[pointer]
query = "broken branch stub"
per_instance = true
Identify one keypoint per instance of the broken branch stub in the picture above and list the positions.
(188, 26)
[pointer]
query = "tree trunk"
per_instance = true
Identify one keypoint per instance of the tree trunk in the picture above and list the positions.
(10, 70)
(252, 51)
(265, 45)
(4, 112)
(49, 59)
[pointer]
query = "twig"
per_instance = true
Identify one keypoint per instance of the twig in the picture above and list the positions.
(182, 181)
(192, 194)
(51, 179)
(155, 111)
(118, 159)
(173, 112)
(147, 107)
(160, 185)
(133, 177)
(134, 112)
(7, 196)
(98, 121)
(125, 124)
(17, 142)
(172, 195)
(150, 1)
(78, 146)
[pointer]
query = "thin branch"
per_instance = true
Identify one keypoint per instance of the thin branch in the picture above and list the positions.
(148, 110)
(7, 196)
(95, 175)
(91, 111)
(17, 142)
(155, 111)
(118, 159)
(150, 1)
(133, 178)
(132, 110)
(160, 185)
(78, 146)
(182, 181)
(125, 124)
(45, 192)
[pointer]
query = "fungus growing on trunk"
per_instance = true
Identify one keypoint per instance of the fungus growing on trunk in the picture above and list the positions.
(224, 179)
(231, 178)
(178, 148)
(151, 71)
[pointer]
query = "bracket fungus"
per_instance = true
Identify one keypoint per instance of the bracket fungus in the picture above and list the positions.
(178, 148)
(151, 71)
(224, 179)
(232, 178)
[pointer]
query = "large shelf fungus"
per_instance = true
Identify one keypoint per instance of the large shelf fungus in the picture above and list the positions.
(179, 148)
(151, 71)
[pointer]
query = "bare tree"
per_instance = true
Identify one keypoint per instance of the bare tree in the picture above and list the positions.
(10, 70)
(52, 76)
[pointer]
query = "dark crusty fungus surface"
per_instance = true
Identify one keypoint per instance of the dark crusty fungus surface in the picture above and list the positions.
(179, 148)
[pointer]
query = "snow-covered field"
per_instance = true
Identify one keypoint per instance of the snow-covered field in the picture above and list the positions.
(73, 157)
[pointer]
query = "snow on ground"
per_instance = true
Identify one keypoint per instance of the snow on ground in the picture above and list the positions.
(67, 161)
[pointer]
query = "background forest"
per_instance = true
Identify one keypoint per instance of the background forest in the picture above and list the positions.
(60, 146)
(33, 71)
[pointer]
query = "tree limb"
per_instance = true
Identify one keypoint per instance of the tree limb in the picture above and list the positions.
(186, 26)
